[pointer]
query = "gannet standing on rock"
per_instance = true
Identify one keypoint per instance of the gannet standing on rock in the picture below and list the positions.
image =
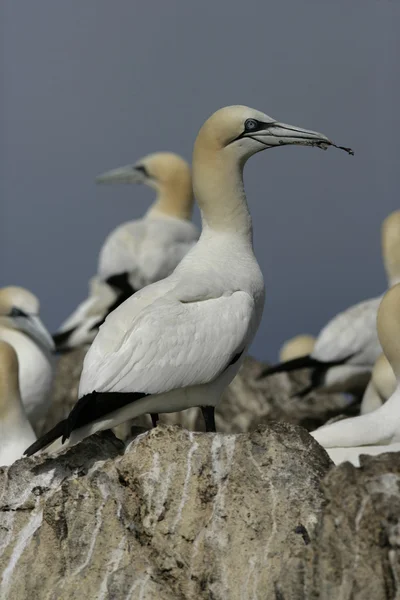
(178, 343)
(143, 251)
(22, 328)
(298, 346)
(15, 430)
(348, 346)
(380, 388)
(361, 435)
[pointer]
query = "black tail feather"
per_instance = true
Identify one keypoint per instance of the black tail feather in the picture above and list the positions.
(302, 362)
(47, 438)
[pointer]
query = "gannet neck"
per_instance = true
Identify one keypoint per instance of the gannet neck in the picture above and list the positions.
(388, 328)
(174, 198)
(391, 247)
(10, 397)
(219, 190)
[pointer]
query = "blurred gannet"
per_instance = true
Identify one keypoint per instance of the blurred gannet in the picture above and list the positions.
(178, 343)
(300, 345)
(143, 251)
(82, 326)
(22, 328)
(15, 430)
(348, 346)
(382, 426)
(381, 386)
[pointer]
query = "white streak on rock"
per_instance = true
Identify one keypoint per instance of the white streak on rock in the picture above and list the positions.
(111, 567)
(184, 496)
(23, 539)
(139, 583)
(93, 539)
(222, 453)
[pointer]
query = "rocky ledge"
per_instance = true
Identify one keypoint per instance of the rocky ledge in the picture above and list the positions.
(181, 515)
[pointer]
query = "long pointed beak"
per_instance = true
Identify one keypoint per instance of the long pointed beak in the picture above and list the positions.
(127, 174)
(282, 134)
(33, 326)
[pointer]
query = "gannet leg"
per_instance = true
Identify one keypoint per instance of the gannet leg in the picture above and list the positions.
(154, 419)
(209, 418)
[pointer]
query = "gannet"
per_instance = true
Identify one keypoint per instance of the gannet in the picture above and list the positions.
(382, 426)
(15, 430)
(347, 347)
(179, 342)
(381, 386)
(143, 251)
(82, 326)
(300, 345)
(22, 328)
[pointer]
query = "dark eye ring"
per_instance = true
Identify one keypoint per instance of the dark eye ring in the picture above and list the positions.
(251, 125)
(16, 312)
(142, 169)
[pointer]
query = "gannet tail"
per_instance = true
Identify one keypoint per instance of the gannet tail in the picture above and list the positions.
(47, 438)
(302, 362)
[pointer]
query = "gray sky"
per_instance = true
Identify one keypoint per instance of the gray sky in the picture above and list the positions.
(93, 84)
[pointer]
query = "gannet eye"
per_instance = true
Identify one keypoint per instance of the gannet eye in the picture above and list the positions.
(251, 125)
(142, 169)
(16, 312)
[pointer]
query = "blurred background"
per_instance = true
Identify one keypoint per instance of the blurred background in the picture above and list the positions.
(91, 85)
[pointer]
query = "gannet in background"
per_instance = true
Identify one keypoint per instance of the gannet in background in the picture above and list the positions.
(300, 345)
(82, 326)
(348, 346)
(22, 328)
(146, 250)
(15, 430)
(178, 343)
(381, 386)
(351, 437)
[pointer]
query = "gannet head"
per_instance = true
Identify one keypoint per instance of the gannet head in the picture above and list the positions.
(388, 326)
(391, 246)
(9, 382)
(244, 131)
(301, 345)
(19, 309)
(166, 172)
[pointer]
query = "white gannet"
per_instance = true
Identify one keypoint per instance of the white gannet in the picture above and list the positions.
(300, 345)
(15, 430)
(22, 328)
(351, 437)
(381, 386)
(82, 326)
(347, 347)
(178, 343)
(143, 251)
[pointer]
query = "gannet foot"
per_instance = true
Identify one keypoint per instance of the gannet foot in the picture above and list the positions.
(154, 419)
(209, 418)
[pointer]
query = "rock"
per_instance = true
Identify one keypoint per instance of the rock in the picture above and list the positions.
(179, 516)
(246, 403)
(355, 551)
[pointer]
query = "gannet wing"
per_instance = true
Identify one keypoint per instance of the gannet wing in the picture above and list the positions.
(169, 344)
(350, 335)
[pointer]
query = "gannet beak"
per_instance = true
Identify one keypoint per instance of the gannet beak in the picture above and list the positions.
(127, 174)
(281, 134)
(33, 326)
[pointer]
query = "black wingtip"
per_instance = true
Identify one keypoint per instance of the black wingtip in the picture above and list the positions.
(47, 439)
(302, 362)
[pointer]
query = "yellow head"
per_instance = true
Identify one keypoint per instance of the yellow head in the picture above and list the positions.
(19, 309)
(296, 347)
(167, 173)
